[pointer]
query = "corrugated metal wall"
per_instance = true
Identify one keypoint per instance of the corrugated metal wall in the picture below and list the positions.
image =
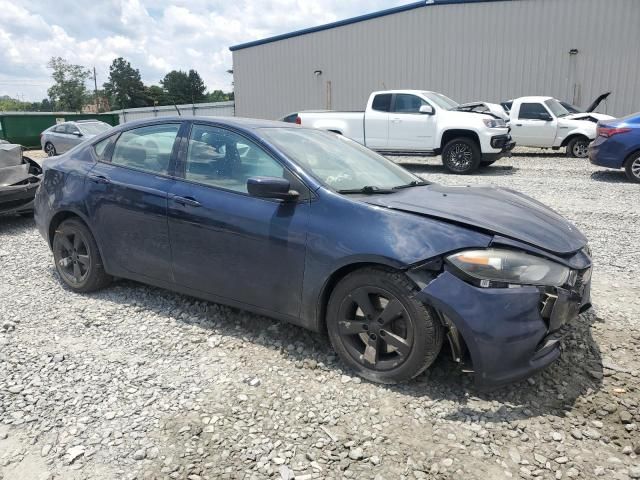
(212, 109)
(489, 51)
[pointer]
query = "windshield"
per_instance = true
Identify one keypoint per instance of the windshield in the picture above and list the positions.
(556, 107)
(441, 100)
(336, 161)
(93, 128)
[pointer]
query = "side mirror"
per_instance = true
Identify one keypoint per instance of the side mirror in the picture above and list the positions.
(426, 110)
(545, 116)
(271, 187)
(77, 133)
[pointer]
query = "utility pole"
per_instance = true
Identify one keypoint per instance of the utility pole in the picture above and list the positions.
(95, 86)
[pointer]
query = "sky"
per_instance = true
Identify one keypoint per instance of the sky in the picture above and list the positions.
(156, 36)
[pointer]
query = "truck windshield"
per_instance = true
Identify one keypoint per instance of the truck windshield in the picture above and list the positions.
(338, 162)
(441, 100)
(556, 107)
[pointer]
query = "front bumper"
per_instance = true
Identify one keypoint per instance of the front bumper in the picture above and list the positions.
(503, 143)
(510, 333)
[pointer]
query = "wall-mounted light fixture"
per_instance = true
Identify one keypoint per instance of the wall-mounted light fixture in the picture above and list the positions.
(317, 73)
(573, 51)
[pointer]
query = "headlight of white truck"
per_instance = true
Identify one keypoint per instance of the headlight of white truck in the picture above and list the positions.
(509, 267)
(494, 122)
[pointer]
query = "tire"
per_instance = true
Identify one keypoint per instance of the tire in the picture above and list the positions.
(396, 340)
(50, 149)
(461, 156)
(77, 258)
(578, 147)
(632, 167)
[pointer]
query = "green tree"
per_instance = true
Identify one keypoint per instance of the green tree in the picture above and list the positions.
(218, 96)
(69, 90)
(125, 88)
(197, 87)
(184, 87)
(157, 95)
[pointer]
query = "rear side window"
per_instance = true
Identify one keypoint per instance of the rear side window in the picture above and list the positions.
(60, 128)
(290, 118)
(146, 148)
(406, 103)
(382, 102)
(532, 111)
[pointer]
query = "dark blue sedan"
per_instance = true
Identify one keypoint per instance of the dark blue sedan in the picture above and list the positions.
(618, 145)
(312, 228)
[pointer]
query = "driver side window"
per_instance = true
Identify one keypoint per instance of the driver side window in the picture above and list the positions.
(406, 103)
(532, 111)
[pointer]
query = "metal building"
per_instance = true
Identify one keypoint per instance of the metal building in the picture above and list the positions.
(489, 50)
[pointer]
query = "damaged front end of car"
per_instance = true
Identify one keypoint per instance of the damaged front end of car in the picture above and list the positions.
(505, 319)
(19, 179)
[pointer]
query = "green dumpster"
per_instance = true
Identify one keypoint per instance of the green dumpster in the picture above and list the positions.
(24, 128)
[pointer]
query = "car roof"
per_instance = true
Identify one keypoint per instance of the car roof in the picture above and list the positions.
(238, 122)
(533, 98)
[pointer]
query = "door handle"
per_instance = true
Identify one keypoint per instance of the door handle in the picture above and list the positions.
(99, 179)
(518, 124)
(192, 202)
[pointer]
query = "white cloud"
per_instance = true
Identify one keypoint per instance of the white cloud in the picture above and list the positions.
(155, 36)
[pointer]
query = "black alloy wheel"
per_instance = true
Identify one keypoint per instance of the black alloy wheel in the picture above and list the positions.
(49, 149)
(461, 156)
(378, 327)
(76, 257)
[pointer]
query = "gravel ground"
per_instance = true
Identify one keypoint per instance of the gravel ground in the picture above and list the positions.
(136, 382)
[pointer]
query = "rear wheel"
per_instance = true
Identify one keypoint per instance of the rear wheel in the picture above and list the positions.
(578, 147)
(461, 156)
(49, 149)
(77, 258)
(379, 329)
(632, 167)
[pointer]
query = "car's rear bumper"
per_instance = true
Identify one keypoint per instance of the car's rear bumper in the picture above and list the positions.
(510, 333)
(607, 153)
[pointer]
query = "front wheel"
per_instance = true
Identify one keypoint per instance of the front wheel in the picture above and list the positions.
(379, 329)
(461, 156)
(632, 168)
(578, 147)
(77, 258)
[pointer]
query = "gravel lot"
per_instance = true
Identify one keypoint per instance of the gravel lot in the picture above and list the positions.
(136, 382)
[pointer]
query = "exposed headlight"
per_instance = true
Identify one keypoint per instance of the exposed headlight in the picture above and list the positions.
(509, 267)
(494, 122)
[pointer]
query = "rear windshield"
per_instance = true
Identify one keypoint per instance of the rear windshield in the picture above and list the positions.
(93, 128)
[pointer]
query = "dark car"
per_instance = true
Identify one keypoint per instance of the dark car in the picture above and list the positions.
(618, 145)
(312, 228)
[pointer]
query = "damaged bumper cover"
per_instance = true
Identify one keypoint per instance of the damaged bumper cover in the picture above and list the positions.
(510, 333)
(18, 185)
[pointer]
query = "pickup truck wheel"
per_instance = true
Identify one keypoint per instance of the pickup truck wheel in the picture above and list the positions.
(461, 156)
(632, 168)
(578, 147)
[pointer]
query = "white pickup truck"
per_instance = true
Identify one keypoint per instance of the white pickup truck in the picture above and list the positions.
(416, 122)
(544, 122)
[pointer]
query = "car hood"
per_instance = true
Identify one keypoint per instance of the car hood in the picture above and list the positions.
(496, 210)
(590, 117)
